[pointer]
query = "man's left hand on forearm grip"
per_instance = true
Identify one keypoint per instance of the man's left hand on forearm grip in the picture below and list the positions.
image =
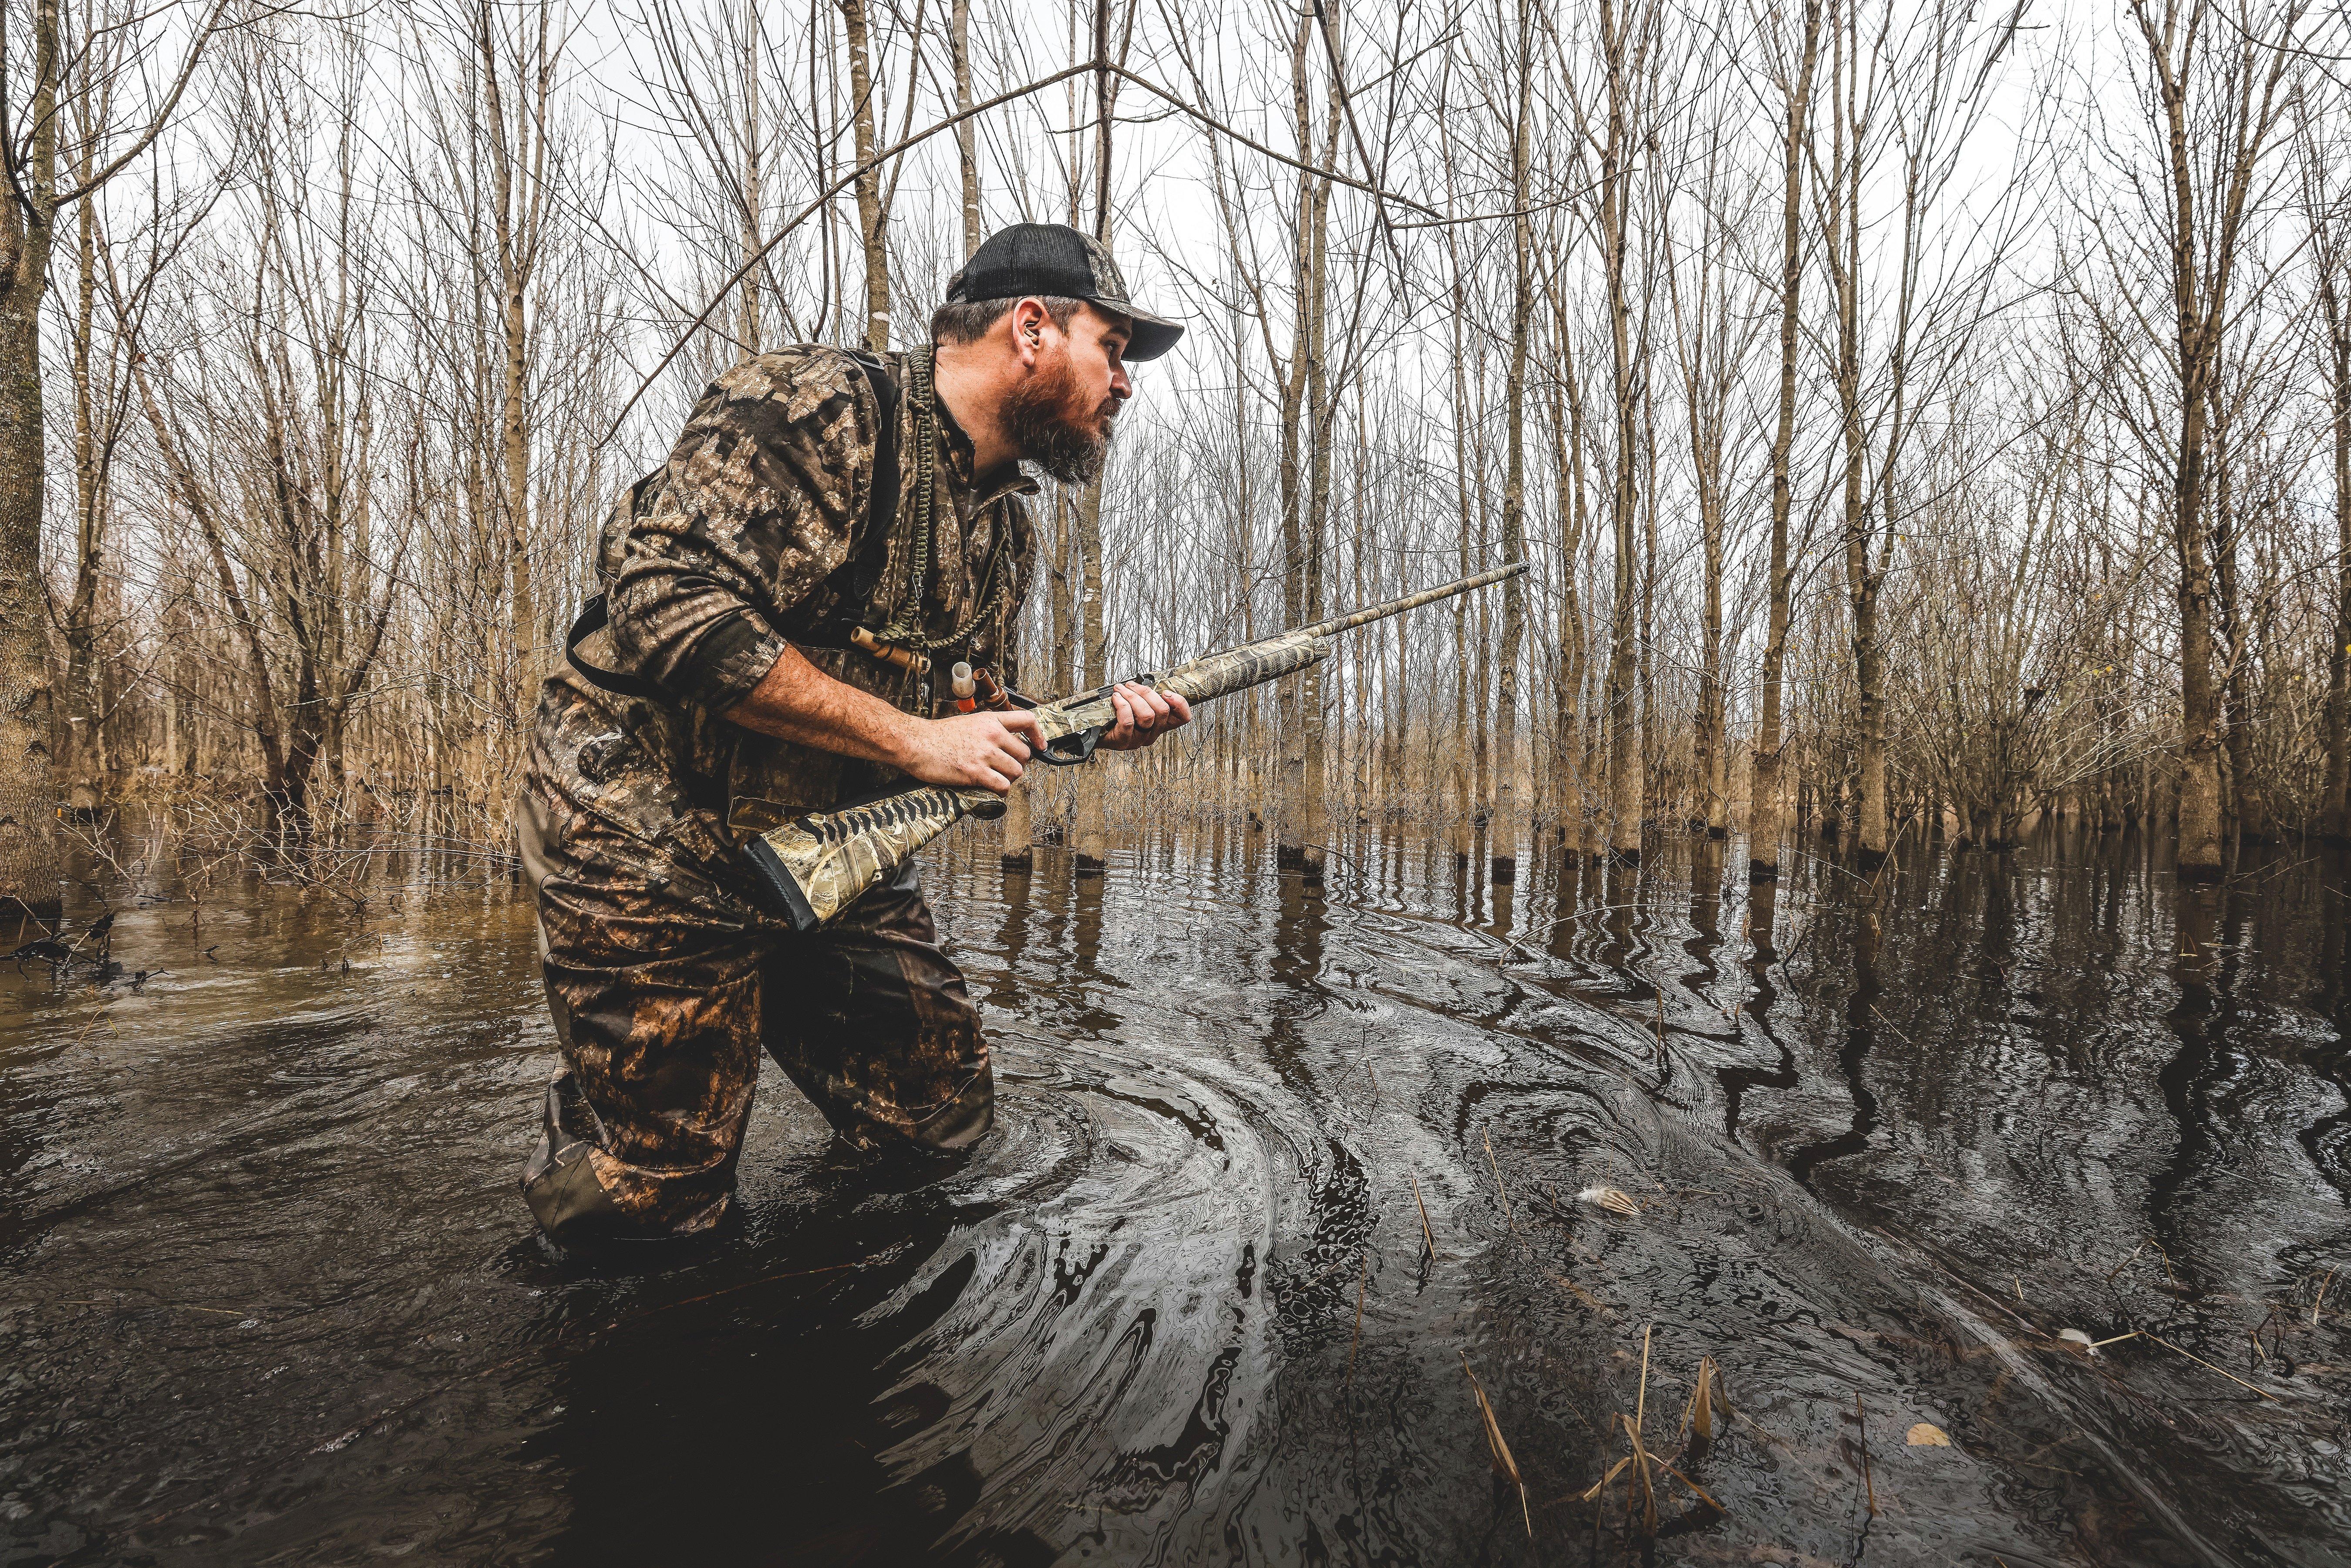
(1143, 715)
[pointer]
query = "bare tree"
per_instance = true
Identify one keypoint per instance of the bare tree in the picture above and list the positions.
(1903, 88)
(1793, 77)
(2323, 206)
(1612, 132)
(1717, 316)
(1509, 823)
(111, 68)
(2213, 84)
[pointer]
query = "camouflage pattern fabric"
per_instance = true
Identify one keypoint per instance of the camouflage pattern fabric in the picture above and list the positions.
(665, 993)
(719, 558)
(659, 966)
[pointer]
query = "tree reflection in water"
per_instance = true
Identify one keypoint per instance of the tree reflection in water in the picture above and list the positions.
(277, 1299)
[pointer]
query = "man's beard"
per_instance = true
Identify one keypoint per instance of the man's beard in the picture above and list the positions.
(1034, 418)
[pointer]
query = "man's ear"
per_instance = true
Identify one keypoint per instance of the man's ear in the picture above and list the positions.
(1030, 320)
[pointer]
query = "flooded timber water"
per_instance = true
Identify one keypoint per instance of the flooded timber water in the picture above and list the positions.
(1277, 1173)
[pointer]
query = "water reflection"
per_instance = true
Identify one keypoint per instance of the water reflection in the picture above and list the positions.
(2327, 1140)
(1759, 1010)
(1273, 1163)
(1858, 936)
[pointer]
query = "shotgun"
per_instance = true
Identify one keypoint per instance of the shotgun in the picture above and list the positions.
(815, 866)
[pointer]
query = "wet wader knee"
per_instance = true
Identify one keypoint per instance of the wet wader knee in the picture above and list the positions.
(877, 1028)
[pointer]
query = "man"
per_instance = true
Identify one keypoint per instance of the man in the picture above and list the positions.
(770, 599)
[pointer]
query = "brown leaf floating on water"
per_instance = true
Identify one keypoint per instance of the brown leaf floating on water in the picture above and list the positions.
(1927, 1435)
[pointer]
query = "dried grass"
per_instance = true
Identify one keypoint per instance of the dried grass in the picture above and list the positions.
(1705, 1401)
(1498, 1450)
(1427, 1234)
(1496, 1166)
(1641, 1462)
(2209, 1367)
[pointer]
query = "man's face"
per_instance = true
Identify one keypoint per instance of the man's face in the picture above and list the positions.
(1062, 413)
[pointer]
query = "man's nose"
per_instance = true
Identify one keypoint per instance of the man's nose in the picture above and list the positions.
(1120, 387)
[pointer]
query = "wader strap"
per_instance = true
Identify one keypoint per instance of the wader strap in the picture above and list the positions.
(593, 618)
(856, 578)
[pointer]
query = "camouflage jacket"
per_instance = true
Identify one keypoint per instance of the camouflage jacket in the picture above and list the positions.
(714, 562)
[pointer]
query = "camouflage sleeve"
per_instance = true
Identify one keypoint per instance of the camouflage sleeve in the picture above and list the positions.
(766, 490)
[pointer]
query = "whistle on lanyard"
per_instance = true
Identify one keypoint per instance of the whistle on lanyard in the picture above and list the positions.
(889, 653)
(965, 687)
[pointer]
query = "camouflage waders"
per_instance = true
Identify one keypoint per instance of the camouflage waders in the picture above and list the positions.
(665, 981)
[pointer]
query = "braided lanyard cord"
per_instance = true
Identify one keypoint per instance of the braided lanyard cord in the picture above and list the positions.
(904, 630)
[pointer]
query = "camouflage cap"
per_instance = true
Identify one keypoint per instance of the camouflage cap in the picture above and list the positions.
(1054, 259)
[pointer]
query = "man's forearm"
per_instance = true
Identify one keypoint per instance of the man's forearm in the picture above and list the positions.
(795, 701)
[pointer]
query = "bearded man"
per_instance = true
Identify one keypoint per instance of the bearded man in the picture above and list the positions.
(830, 528)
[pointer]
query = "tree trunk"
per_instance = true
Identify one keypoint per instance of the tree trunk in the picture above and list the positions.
(2200, 311)
(1092, 840)
(1626, 789)
(2335, 807)
(1458, 760)
(1088, 835)
(1508, 823)
(754, 330)
(872, 218)
(519, 174)
(1706, 372)
(1508, 809)
(1305, 487)
(966, 133)
(1322, 412)
(81, 706)
(1653, 728)
(2241, 795)
(1572, 787)
(32, 865)
(1842, 245)
(1767, 799)
(1313, 779)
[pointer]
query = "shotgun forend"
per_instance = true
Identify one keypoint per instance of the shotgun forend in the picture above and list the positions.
(815, 866)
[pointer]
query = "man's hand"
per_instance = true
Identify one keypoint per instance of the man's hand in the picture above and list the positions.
(796, 701)
(1143, 715)
(984, 748)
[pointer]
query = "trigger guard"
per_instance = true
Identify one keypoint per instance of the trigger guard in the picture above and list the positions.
(1084, 741)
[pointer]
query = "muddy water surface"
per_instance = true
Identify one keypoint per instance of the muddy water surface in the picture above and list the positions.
(1281, 1180)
